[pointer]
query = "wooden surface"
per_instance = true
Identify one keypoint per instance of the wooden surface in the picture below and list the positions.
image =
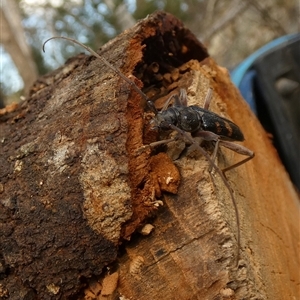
(74, 186)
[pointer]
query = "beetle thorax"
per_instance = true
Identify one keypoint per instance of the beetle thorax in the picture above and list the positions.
(189, 120)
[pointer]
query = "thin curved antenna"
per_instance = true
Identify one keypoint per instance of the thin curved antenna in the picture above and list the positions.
(208, 158)
(109, 65)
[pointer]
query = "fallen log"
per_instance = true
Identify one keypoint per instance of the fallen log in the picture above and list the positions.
(76, 190)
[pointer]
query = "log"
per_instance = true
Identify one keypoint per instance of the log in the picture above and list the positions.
(80, 199)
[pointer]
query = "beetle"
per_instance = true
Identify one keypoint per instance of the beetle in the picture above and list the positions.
(203, 123)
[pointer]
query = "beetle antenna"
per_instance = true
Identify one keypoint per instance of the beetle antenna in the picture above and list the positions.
(109, 65)
(225, 181)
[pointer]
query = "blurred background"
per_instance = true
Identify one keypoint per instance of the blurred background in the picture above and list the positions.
(231, 29)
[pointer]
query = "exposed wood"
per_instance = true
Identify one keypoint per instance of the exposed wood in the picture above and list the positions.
(74, 185)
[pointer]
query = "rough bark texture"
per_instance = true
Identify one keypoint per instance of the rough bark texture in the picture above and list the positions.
(74, 185)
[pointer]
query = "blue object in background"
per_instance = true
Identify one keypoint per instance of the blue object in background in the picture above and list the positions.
(269, 80)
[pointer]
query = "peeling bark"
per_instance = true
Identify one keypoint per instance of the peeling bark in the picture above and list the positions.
(74, 185)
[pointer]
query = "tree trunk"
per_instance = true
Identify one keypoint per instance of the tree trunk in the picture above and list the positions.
(13, 39)
(75, 184)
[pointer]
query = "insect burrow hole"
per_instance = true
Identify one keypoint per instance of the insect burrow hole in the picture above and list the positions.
(163, 67)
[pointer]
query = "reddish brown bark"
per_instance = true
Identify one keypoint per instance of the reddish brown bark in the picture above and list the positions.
(74, 185)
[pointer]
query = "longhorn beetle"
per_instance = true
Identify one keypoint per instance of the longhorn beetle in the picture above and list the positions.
(193, 119)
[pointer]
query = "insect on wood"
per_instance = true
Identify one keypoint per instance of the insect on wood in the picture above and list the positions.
(189, 122)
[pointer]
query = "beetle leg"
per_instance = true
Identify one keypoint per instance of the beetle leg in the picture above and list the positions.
(206, 135)
(153, 145)
(166, 105)
(208, 98)
(182, 98)
(239, 149)
(210, 136)
(213, 157)
(161, 142)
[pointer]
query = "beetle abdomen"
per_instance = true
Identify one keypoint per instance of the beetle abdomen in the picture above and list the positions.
(219, 125)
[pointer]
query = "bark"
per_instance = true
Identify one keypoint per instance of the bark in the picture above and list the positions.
(75, 184)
